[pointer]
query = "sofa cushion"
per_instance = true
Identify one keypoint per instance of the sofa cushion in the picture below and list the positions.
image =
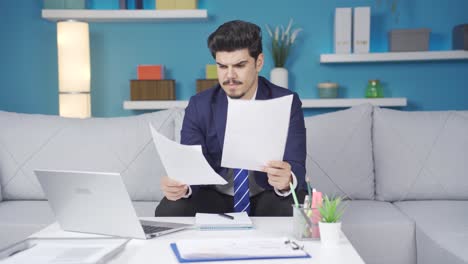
(145, 208)
(20, 219)
(26, 213)
(124, 145)
(339, 152)
(179, 114)
(420, 155)
(441, 230)
(380, 232)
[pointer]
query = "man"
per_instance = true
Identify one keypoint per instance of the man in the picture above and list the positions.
(237, 48)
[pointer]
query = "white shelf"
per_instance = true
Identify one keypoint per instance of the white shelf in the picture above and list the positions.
(348, 102)
(306, 103)
(395, 56)
(123, 15)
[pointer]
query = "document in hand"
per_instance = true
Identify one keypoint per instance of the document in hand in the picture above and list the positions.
(256, 132)
(183, 163)
(235, 249)
(219, 221)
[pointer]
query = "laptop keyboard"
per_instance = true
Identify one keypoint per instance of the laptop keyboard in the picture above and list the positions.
(154, 229)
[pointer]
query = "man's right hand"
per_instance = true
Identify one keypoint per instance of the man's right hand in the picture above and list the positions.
(172, 189)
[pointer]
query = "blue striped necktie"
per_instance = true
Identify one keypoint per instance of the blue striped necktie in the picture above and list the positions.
(241, 191)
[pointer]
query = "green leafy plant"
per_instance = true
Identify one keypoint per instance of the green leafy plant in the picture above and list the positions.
(282, 39)
(330, 210)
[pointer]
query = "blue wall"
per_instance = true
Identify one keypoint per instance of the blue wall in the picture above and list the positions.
(28, 53)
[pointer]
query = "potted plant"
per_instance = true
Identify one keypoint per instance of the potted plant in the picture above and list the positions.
(282, 39)
(330, 221)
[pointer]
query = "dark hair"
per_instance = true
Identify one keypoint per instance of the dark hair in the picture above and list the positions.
(236, 35)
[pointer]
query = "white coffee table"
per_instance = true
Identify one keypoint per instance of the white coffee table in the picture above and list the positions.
(157, 250)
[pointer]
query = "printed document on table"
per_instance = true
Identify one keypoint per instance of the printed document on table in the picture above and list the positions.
(236, 249)
(256, 132)
(183, 163)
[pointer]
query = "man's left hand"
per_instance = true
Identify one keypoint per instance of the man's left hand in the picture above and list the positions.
(279, 174)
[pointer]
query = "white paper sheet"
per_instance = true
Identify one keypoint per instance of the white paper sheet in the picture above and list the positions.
(256, 132)
(183, 163)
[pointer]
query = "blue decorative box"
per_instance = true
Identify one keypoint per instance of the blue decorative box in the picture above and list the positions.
(64, 4)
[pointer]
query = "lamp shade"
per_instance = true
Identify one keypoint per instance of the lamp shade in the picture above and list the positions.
(74, 69)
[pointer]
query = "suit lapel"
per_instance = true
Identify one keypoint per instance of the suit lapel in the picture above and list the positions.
(263, 92)
(219, 109)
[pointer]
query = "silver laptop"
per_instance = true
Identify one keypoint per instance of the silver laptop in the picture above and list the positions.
(98, 203)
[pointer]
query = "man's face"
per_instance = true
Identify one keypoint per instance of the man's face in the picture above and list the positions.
(238, 73)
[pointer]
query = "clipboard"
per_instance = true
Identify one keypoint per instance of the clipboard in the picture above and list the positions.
(219, 256)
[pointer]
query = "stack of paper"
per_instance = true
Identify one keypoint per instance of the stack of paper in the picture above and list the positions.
(216, 221)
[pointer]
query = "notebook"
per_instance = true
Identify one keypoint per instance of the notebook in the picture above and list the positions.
(236, 249)
(217, 221)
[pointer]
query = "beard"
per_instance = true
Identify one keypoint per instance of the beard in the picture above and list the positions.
(232, 81)
(236, 97)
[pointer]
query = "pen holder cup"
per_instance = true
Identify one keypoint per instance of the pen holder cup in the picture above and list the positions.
(303, 229)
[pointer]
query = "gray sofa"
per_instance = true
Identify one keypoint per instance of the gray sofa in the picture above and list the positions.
(405, 174)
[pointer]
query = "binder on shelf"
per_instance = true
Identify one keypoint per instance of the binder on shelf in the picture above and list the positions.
(187, 251)
(123, 4)
(204, 84)
(152, 90)
(165, 4)
(186, 4)
(343, 23)
(361, 30)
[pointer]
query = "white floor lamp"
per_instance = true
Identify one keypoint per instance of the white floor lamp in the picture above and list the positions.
(74, 69)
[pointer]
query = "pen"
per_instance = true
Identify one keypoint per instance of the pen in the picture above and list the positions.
(226, 216)
(309, 192)
(309, 222)
(296, 202)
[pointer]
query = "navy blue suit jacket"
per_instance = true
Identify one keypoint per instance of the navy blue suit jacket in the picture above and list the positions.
(205, 124)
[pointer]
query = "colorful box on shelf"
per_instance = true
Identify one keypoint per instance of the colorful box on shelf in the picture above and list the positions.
(64, 4)
(176, 4)
(150, 72)
(152, 90)
(409, 39)
(203, 85)
(211, 72)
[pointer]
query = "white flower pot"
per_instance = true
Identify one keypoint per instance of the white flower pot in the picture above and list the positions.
(330, 233)
(279, 76)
